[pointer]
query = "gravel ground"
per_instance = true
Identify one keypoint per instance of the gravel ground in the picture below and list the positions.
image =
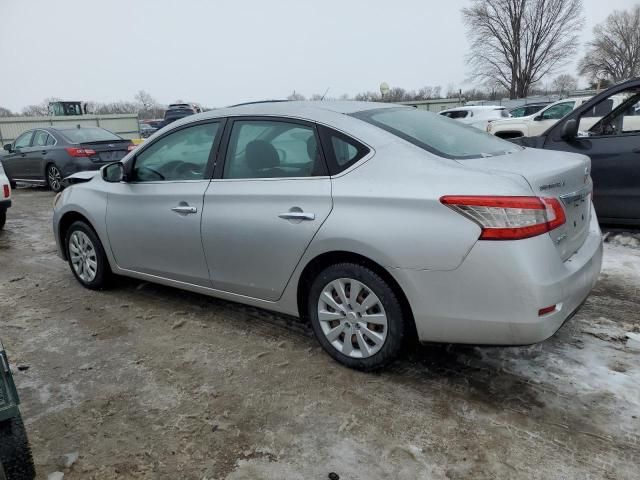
(150, 382)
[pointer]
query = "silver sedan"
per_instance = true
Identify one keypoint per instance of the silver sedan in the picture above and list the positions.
(374, 222)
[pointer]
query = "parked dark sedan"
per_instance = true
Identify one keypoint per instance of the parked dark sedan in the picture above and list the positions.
(47, 155)
(612, 143)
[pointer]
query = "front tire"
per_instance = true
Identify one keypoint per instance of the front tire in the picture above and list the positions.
(86, 257)
(16, 461)
(54, 178)
(356, 316)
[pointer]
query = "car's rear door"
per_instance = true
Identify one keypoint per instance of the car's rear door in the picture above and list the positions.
(153, 219)
(42, 144)
(266, 202)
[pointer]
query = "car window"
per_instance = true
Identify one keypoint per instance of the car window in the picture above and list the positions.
(181, 155)
(39, 138)
(272, 149)
(89, 134)
(456, 114)
(50, 140)
(558, 111)
(23, 140)
(434, 133)
(623, 119)
(518, 112)
(601, 109)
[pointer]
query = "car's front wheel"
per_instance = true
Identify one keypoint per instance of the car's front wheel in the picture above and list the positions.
(356, 316)
(86, 256)
(54, 178)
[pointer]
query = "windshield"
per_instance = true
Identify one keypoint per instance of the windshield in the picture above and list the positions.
(437, 134)
(83, 135)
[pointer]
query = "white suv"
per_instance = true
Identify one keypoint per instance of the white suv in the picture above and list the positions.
(537, 123)
(5, 196)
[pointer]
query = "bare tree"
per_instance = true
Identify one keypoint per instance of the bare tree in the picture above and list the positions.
(564, 83)
(614, 52)
(296, 96)
(517, 42)
(5, 112)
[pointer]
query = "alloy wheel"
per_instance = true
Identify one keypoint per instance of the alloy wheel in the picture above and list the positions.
(83, 256)
(352, 318)
(54, 177)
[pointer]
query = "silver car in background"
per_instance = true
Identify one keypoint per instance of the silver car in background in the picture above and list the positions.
(374, 222)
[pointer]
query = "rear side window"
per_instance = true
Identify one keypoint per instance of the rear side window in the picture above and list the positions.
(50, 140)
(341, 151)
(40, 138)
(83, 135)
(456, 114)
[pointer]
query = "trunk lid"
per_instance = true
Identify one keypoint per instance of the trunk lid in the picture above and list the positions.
(108, 151)
(560, 175)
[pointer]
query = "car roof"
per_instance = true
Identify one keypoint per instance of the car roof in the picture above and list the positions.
(309, 109)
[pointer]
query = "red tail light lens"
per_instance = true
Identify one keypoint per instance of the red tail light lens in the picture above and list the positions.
(509, 218)
(80, 152)
(6, 191)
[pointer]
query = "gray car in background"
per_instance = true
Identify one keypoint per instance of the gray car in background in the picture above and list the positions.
(374, 222)
(45, 156)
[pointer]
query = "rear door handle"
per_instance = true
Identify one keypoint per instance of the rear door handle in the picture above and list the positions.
(184, 209)
(298, 216)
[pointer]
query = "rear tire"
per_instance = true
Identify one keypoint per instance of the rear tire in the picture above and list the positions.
(3, 220)
(54, 178)
(16, 461)
(356, 316)
(86, 257)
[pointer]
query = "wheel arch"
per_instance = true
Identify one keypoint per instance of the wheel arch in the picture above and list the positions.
(326, 259)
(65, 222)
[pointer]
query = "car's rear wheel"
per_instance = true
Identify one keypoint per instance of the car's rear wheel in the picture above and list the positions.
(3, 217)
(16, 462)
(86, 256)
(356, 316)
(54, 178)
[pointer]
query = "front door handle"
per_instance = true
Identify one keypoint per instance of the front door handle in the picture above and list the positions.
(298, 216)
(184, 209)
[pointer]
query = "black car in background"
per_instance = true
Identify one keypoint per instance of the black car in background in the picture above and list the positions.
(612, 143)
(45, 156)
(176, 111)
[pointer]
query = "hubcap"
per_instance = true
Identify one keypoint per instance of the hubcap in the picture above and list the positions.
(352, 318)
(83, 256)
(54, 178)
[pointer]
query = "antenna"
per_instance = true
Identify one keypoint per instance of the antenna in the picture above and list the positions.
(325, 93)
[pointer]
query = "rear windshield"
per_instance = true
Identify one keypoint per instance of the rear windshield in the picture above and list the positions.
(437, 134)
(84, 135)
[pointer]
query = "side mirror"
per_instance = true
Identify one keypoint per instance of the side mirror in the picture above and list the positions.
(537, 118)
(7, 147)
(113, 173)
(570, 129)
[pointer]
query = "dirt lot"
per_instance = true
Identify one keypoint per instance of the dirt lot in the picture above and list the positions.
(150, 382)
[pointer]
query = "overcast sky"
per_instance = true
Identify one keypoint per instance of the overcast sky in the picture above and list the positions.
(223, 52)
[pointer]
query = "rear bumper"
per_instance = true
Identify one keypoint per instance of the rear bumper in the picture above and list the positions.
(496, 293)
(4, 204)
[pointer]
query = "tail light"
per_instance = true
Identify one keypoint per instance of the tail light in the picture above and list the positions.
(509, 218)
(6, 191)
(80, 152)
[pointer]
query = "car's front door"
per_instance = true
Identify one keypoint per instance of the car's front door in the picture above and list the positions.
(613, 144)
(264, 206)
(16, 162)
(153, 219)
